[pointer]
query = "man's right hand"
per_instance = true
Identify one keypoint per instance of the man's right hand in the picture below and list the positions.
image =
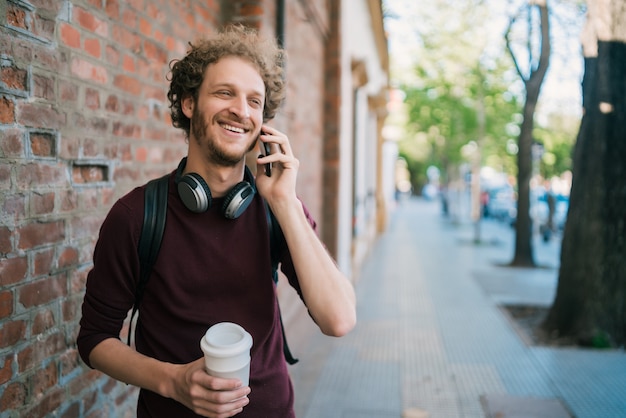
(206, 395)
(188, 384)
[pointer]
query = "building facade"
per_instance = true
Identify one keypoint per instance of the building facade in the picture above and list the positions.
(84, 118)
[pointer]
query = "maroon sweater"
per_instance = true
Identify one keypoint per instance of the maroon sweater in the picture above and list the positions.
(210, 269)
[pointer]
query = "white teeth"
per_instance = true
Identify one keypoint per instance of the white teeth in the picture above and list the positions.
(232, 128)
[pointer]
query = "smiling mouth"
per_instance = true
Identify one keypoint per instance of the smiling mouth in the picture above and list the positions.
(232, 128)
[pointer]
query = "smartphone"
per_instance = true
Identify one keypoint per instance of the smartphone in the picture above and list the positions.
(266, 149)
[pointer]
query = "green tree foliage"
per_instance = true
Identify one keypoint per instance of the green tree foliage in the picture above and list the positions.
(444, 117)
(461, 74)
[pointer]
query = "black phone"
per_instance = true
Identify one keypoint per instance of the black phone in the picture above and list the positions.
(268, 167)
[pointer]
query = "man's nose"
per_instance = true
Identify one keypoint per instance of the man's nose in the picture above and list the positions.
(240, 107)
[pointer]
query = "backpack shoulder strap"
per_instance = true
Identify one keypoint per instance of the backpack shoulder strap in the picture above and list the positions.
(154, 214)
(277, 243)
(277, 240)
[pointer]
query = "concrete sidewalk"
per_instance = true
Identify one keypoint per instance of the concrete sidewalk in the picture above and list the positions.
(431, 340)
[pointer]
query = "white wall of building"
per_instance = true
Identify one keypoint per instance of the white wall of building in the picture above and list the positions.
(358, 133)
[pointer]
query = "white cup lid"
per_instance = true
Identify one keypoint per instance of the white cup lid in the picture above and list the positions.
(226, 339)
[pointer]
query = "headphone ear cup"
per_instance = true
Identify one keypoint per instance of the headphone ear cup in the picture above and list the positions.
(237, 200)
(194, 192)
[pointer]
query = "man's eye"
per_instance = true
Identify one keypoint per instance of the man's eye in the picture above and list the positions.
(256, 102)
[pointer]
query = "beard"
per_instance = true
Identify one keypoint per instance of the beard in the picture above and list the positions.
(219, 156)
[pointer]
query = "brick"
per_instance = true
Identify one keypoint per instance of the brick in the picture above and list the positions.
(43, 144)
(82, 174)
(69, 361)
(129, 18)
(70, 36)
(69, 201)
(80, 382)
(39, 115)
(32, 356)
(16, 17)
(92, 99)
(7, 111)
(6, 304)
(145, 27)
(90, 22)
(44, 27)
(42, 203)
(14, 78)
(112, 55)
(50, 6)
(112, 9)
(67, 258)
(88, 71)
(36, 234)
(71, 309)
(127, 84)
(85, 227)
(141, 154)
(42, 291)
(112, 103)
(44, 379)
(41, 173)
(42, 261)
(78, 280)
(5, 240)
(13, 397)
(46, 405)
(92, 125)
(72, 411)
(44, 87)
(15, 205)
(69, 147)
(92, 47)
(68, 91)
(12, 332)
(43, 321)
(125, 130)
(53, 61)
(13, 270)
(128, 64)
(126, 39)
(6, 372)
(11, 142)
(5, 176)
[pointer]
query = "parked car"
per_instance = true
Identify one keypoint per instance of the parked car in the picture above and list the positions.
(501, 204)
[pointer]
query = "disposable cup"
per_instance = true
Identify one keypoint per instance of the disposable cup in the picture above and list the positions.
(226, 347)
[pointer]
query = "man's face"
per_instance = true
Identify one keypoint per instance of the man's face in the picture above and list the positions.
(226, 119)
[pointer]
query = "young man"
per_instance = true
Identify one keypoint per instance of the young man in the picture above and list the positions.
(212, 268)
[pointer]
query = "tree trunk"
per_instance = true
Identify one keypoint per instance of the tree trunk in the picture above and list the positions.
(590, 303)
(523, 256)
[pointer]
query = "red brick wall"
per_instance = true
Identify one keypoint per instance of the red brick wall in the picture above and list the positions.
(83, 119)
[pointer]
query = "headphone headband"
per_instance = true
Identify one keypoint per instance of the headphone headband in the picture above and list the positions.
(196, 195)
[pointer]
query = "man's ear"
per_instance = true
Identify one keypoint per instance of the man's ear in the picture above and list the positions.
(187, 104)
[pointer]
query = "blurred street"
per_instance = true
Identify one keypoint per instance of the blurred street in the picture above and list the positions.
(432, 340)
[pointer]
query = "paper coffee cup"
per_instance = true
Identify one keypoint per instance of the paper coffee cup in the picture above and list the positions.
(226, 347)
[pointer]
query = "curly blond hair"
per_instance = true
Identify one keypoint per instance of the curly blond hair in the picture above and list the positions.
(187, 74)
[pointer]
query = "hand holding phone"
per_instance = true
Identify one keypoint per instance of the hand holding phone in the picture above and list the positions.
(266, 150)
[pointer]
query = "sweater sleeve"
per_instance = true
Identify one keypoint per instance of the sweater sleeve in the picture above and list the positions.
(110, 287)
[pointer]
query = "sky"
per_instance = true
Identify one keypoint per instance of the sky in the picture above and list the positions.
(562, 87)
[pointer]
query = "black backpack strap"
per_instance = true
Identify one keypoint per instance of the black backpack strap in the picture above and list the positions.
(277, 242)
(154, 214)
